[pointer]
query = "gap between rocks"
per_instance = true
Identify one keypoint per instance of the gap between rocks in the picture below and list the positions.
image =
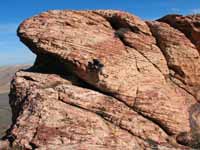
(170, 76)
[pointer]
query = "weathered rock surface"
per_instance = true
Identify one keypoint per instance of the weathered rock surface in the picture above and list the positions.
(189, 25)
(106, 80)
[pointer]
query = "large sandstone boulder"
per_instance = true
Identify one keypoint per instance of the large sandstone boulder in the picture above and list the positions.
(106, 80)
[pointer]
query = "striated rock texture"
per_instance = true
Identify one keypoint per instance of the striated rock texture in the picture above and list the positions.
(106, 79)
(189, 25)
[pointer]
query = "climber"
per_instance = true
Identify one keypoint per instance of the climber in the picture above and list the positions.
(96, 66)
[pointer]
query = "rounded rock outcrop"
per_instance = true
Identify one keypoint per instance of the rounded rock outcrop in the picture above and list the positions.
(106, 79)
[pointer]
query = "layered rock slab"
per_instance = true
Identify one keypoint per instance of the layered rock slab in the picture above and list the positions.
(150, 67)
(55, 113)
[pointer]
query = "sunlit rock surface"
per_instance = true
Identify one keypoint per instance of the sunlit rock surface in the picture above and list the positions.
(107, 80)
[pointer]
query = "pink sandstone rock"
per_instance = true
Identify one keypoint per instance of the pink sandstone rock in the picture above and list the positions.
(106, 79)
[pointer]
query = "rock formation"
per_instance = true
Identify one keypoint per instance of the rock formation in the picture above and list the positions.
(106, 79)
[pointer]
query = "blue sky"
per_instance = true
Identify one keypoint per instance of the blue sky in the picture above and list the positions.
(15, 11)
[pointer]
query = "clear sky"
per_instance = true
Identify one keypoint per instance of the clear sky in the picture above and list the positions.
(12, 12)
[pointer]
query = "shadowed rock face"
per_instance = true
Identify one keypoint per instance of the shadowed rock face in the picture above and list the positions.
(189, 25)
(106, 80)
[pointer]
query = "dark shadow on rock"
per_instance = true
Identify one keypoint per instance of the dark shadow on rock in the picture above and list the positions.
(192, 138)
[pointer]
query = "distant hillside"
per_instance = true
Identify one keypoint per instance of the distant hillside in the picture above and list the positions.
(6, 75)
(5, 113)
